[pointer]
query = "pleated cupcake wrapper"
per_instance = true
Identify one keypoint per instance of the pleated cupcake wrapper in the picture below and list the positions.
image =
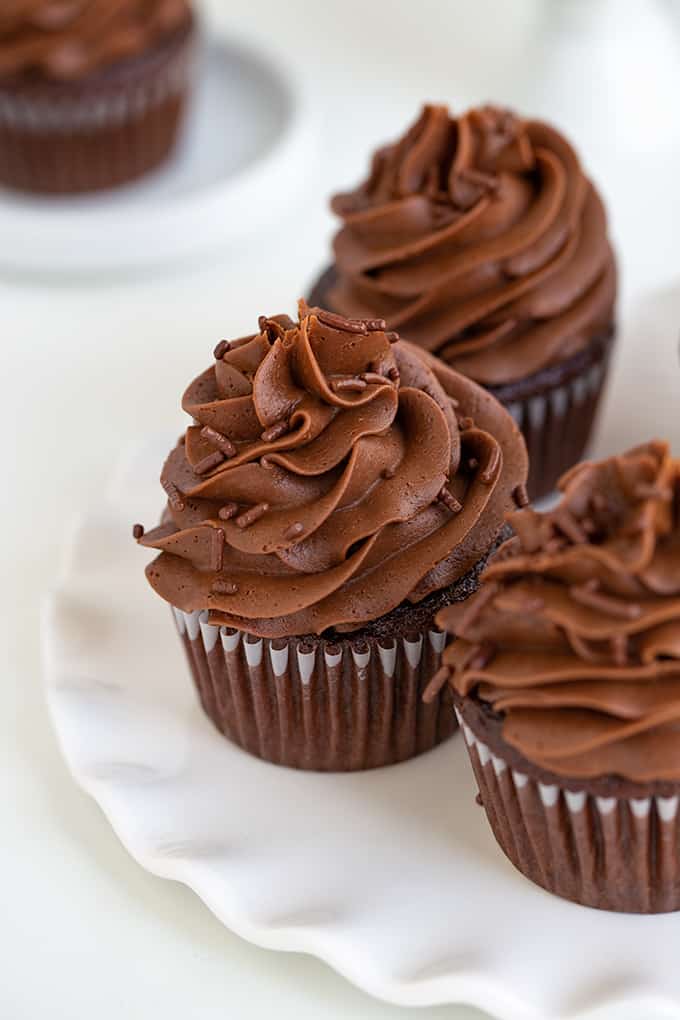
(86, 113)
(96, 138)
(614, 853)
(557, 424)
(311, 704)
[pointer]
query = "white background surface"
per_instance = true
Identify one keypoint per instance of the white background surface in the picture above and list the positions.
(89, 366)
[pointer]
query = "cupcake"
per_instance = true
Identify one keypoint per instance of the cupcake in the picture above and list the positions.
(91, 91)
(566, 677)
(482, 241)
(333, 492)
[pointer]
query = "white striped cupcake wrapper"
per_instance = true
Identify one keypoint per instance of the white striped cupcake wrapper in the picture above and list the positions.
(99, 109)
(313, 704)
(557, 424)
(64, 140)
(614, 853)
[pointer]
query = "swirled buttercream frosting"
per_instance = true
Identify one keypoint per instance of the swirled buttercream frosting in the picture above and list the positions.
(68, 39)
(574, 636)
(479, 238)
(330, 474)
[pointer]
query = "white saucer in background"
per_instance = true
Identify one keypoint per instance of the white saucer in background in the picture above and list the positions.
(245, 154)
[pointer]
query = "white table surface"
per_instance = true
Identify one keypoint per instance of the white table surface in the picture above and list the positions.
(90, 365)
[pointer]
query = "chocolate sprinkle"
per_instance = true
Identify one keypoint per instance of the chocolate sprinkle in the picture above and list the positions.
(393, 336)
(589, 595)
(137, 531)
(619, 644)
(581, 647)
(339, 322)
(350, 385)
(222, 348)
(217, 549)
(394, 374)
(441, 677)
(224, 587)
(208, 463)
(174, 498)
(222, 442)
(521, 496)
(491, 467)
(280, 428)
(226, 512)
(294, 530)
(252, 515)
(449, 501)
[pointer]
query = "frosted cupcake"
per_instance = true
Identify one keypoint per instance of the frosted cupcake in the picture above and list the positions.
(566, 676)
(332, 494)
(91, 91)
(481, 239)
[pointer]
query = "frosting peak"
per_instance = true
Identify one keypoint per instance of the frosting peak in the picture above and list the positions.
(481, 240)
(68, 39)
(574, 636)
(330, 474)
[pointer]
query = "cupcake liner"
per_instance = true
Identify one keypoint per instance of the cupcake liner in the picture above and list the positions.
(557, 419)
(65, 138)
(313, 704)
(617, 853)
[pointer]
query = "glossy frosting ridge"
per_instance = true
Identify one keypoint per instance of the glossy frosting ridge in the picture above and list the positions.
(330, 474)
(69, 39)
(479, 238)
(574, 635)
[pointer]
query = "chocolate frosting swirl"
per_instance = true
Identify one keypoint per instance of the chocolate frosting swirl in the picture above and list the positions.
(68, 39)
(480, 239)
(574, 636)
(331, 473)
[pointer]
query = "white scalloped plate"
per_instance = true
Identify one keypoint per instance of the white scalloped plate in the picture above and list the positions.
(391, 876)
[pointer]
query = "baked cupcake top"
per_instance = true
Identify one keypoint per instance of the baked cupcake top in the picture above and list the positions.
(574, 636)
(330, 475)
(69, 39)
(479, 238)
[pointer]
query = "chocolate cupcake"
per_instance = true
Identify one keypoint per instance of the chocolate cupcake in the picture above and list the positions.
(482, 241)
(91, 91)
(332, 494)
(566, 677)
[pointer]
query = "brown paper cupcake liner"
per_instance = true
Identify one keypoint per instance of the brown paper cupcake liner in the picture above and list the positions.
(313, 704)
(611, 852)
(87, 136)
(558, 417)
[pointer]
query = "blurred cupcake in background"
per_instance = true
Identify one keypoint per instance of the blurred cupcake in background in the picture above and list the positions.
(566, 677)
(335, 490)
(91, 91)
(481, 240)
